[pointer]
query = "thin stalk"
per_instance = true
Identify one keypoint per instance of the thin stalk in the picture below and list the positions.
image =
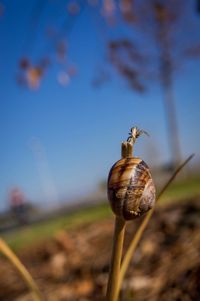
(118, 240)
(4, 248)
(132, 247)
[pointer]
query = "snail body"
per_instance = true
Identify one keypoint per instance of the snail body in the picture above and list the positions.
(130, 188)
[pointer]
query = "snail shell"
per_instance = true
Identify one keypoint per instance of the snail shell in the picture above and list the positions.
(131, 190)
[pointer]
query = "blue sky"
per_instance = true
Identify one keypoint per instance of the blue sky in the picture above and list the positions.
(58, 142)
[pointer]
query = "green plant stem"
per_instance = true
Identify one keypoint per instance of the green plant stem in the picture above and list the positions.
(132, 247)
(118, 240)
(4, 248)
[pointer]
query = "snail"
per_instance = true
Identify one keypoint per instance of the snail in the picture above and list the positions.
(130, 186)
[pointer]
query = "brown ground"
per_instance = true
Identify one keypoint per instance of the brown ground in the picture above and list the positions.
(74, 266)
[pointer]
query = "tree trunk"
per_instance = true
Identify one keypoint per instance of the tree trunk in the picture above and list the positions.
(172, 128)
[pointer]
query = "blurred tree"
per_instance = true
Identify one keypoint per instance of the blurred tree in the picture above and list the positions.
(153, 46)
(156, 40)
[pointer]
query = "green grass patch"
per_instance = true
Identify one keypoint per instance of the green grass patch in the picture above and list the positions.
(34, 233)
(182, 190)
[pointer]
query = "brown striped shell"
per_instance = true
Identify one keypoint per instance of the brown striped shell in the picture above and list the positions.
(131, 190)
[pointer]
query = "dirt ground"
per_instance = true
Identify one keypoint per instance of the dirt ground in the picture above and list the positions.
(74, 265)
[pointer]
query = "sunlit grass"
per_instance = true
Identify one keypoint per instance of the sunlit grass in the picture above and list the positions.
(182, 190)
(33, 233)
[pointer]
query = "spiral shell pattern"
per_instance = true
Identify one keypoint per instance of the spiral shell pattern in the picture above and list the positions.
(130, 187)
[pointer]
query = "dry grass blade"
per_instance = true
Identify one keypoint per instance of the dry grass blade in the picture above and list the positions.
(4, 248)
(135, 241)
(115, 265)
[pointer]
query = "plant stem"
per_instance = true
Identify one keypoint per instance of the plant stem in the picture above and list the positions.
(118, 239)
(4, 248)
(130, 252)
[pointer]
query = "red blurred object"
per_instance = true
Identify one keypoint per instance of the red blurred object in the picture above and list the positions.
(19, 206)
(17, 197)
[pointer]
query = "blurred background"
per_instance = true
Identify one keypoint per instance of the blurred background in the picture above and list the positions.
(75, 77)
